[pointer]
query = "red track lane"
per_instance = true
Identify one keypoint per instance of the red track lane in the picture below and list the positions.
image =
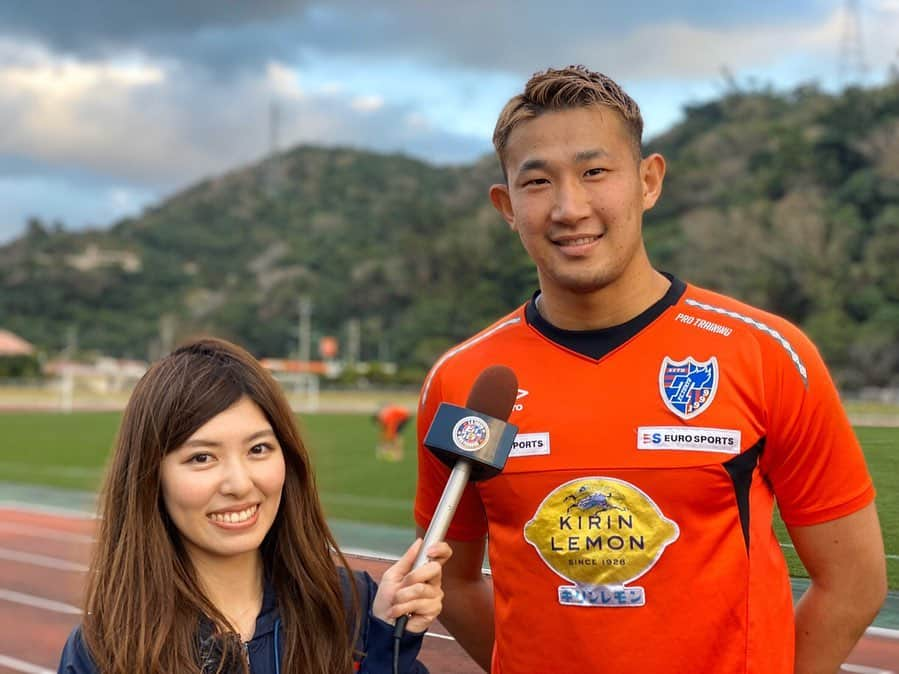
(35, 635)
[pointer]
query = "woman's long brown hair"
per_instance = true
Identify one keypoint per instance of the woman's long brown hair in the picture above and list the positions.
(144, 601)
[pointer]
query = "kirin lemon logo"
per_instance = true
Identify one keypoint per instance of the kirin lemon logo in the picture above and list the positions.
(600, 533)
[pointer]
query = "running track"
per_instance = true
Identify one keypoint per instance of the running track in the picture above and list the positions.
(43, 558)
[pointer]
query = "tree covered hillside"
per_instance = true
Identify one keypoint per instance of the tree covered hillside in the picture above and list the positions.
(791, 202)
(786, 200)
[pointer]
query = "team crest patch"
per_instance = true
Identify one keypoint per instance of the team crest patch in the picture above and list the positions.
(600, 533)
(688, 386)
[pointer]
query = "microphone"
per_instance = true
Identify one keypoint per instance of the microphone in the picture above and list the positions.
(475, 441)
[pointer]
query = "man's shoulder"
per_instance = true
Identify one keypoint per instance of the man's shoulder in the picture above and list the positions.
(499, 329)
(494, 344)
(776, 338)
(484, 343)
(734, 313)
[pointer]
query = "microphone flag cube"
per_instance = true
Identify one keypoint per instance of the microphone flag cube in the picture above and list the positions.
(462, 433)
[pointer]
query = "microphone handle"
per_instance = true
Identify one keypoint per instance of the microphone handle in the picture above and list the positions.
(443, 515)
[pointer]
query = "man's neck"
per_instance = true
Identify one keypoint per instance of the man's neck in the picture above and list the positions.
(617, 303)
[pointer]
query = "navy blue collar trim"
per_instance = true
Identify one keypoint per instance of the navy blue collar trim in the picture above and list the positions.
(597, 343)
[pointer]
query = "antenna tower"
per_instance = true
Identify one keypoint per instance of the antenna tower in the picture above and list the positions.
(852, 66)
(274, 122)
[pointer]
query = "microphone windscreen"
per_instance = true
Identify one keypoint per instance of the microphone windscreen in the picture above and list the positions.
(494, 392)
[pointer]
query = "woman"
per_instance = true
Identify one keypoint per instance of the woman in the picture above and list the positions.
(213, 554)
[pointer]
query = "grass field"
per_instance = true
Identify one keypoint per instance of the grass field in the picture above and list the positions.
(881, 446)
(69, 451)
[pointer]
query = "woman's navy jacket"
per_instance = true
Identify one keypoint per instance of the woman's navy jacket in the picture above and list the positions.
(375, 641)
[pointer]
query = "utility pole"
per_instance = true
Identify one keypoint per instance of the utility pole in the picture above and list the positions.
(304, 329)
(354, 338)
(71, 347)
(274, 121)
(167, 326)
(379, 330)
(67, 381)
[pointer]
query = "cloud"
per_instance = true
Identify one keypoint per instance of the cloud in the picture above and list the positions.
(686, 40)
(367, 103)
(283, 81)
(56, 197)
(129, 129)
(687, 52)
(500, 35)
(151, 96)
(67, 111)
(161, 123)
(90, 26)
(68, 79)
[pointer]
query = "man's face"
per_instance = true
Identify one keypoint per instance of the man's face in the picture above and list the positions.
(576, 193)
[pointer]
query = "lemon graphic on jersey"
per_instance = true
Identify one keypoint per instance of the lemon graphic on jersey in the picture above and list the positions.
(600, 533)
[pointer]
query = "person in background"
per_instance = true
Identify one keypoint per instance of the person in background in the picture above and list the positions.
(213, 554)
(659, 423)
(391, 419)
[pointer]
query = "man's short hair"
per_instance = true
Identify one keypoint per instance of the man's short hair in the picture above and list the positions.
(563, 89)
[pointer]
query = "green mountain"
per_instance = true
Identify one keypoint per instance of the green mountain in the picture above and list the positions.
(413, 252)
(787, 200)
(790, 201)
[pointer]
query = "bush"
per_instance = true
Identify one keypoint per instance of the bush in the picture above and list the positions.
(19, 367)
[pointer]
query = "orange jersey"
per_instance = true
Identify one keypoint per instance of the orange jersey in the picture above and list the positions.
(392, 419)
(631, 529)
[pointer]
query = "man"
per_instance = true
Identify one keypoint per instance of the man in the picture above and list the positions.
(658, 424)
(391, 419)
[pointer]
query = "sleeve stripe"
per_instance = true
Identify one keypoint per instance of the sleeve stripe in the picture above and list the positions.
(452, 352)
(780, 339)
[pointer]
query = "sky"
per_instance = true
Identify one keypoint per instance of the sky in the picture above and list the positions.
(107, 107)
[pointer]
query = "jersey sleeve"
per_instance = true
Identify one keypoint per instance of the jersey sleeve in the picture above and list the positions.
(469, 522)
(811, 457)
(374, 645)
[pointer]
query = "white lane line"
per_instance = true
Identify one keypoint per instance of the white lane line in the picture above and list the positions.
(37, 602)
(41, 560)
(68, 609)
(882, 632)
(44, 532)
(35, 508)
(861, 669)
(22, 666)
(373, 555)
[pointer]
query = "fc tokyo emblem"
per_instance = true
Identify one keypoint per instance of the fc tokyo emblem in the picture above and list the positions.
(471, 433)
(688, 386)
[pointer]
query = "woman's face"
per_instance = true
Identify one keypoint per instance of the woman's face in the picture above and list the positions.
(222, 487)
